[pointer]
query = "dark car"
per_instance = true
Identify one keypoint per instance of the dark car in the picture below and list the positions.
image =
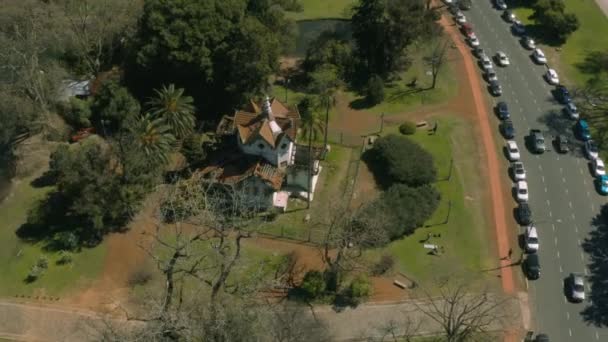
(532, 266)
(453, 8)
(500, 4)
(518, 28)
(508, 16)
(507, 129)
(537, 141)
(495, 88)
(523, 214)
(542, 338)
(478, 52)
(465, 4)
(502, 110)
(562, 94)
(582, 130)
(561, 143)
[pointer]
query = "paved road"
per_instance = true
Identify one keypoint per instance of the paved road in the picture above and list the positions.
(562, 195)
(603, 5)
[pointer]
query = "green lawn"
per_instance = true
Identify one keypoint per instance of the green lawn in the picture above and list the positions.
(16, 257)
(465, 237)
(321, 9)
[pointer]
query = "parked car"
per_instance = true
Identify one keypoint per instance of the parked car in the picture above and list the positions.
(478, 52)
(486, 63)
(473, 40)
(495, 88)
(512, 150)
(591, 150)
(467, 28)
(453, 8)
(500, 4)
(529, 43)
(519, 172)
(562, 94)
(572, 110)
(502, 110)
(598, 167)
(502, 59)
(523, 214)
(576, 287)
(464, 4)
(539, 56)
(507, 129)
(537, 141)
(602, 184)
(518, 27)
(562, 144)
(532, 266)
(490, 75)
(531, 239)
(551, 77)
(521, 190)
(582, 130)
(460, 18)
(509, 16)
(542, 338)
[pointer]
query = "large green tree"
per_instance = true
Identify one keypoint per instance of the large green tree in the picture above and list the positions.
(325, 84)
(112, 107)
(153, 137)
(175, 108)
(312, 127)
(552, 17)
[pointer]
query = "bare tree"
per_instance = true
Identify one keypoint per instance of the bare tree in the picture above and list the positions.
(398, 330)
(465, 316)
(436, 59)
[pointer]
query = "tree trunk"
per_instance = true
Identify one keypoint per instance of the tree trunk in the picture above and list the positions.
(170, 283)
(310, 161)
(225, 269)
(435, 74)
(326, 128)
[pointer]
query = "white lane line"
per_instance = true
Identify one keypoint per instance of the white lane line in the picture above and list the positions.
(561, 270)
(586, 272)
(555, 240)
(542, 178)
(553, 226)
(516, 100)
(579, 242)
(570, 332)
(539, 166)
(582, 256)
(533, 98)
(576, 228)
(567, 315)
(550, 214)
(597, 336)
(566, 191)
(584, 181)
(573, 217)
(581, 171)
(545, 189)
(564, 179)
(558, 254)
(557, 157)
(570, 205)
(561, 170)
(578, 161)
(548, 203)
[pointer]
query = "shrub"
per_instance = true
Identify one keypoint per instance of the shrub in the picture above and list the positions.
(43, 262)
(397, 159)
(77, 113)
(193, 150)
(34, 273)
(139, 277)
(385, 264)
(66, 241)
(407, 128)
(65, 257)
(313, 284)
(359, 289)
(375, 90)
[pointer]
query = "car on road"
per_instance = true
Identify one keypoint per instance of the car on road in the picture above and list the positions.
(501, 59)
(531, 239)
(509, 16)
(495, 88)
(576, 287)
(539, 56)
(512, 150)
(507, 129)
(537, 141)
(460, 18)
(490, 75)
(551, 77)
(602, 184)
(582, 130)
(532, 266)
(598, 167)
(562, 94)
(521, 190)
(465, 4)
(591, 150)
(485, 62)
(542, 338)
(473, 40)
(519, 172)
(518, 27)
(448, 2)
(478, 52)
(562, 144)
(500, 4)
(523, 214)
(529, 43)
(572, 110)
(502, 110)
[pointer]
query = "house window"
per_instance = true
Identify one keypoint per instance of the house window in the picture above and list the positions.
(261, 146)
(283, 146)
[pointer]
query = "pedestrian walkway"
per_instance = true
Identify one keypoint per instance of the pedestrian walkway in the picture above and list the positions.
(603, 4)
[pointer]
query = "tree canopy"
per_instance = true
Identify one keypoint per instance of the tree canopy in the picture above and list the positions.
(552, 17)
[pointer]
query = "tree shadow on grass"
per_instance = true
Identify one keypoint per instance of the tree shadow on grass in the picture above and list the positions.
(559, 124)
(596, 246)
(46, 179)
(360, 103)
(594, 63)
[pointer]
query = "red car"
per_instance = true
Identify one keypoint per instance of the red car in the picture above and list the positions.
(467, 29)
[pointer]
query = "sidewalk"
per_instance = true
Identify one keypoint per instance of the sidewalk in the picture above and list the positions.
(603, 4)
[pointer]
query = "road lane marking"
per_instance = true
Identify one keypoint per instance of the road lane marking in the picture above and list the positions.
(588, 194)
(581, 171)
(545, 189)
(539, 166)
(561, 170)
(592, 207)
(566, 191)
(557, 157)
(533, 98)
(585, 181)
(576, 228)
(548, 203)
(582, 256)
(550, 214)
(558, 254)
(578, 161)
(561, 270)
(573, 217)
(570, 332)
(542, 178)
(585, 271)
(597, 336)
(553, 226)
(564, 179)
(567, 315)
(555, 239)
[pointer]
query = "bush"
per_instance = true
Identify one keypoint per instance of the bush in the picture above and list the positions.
(313, 284)
(397, 159)
(43, 262)
(407, 128)
(34, 273)
(65, 257)
(385, 264)
(140, 277)
(359, 289)
(375, 90)
(193, 150)
(77, 113)
(65, 241)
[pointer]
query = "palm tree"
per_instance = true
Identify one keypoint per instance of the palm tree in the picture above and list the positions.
(176, 109)
(325, 83)
(153, 137)
(312, 126)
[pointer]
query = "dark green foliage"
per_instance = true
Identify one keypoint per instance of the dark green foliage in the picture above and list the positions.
(384, 265)
(313, 284)
(43, 262)
(77, 113)
(34, 273)
(153, 138)
(16, 115)
(65, 241)
(359, 289)
(330, 49)
(396, 159)
(404, 208)
(175, 109)
(407, 128)
(375, 90)
(112, 107)
(193, 149)
(551, 16)
(65, 258)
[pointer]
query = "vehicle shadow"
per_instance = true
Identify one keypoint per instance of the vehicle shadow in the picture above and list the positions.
(596, 311)
(558, 124)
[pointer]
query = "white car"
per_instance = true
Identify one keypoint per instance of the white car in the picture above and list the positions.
(551, 77)
(486, 63)
(522, 191)
(448, 1)
(598, 167)
(473, 41)
(591, 149)
(519, 172)
(512, 150)
(531, 238)
(502, 59)
(576, 287)
(490, 75)
(572, 111)
(530, 44)
(460, 18)
(539, 56)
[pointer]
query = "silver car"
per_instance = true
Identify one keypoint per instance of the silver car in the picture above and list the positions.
(577, 287)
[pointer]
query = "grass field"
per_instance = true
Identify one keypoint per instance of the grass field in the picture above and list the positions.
(321, 9)
(466, 236)
(16, 257)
